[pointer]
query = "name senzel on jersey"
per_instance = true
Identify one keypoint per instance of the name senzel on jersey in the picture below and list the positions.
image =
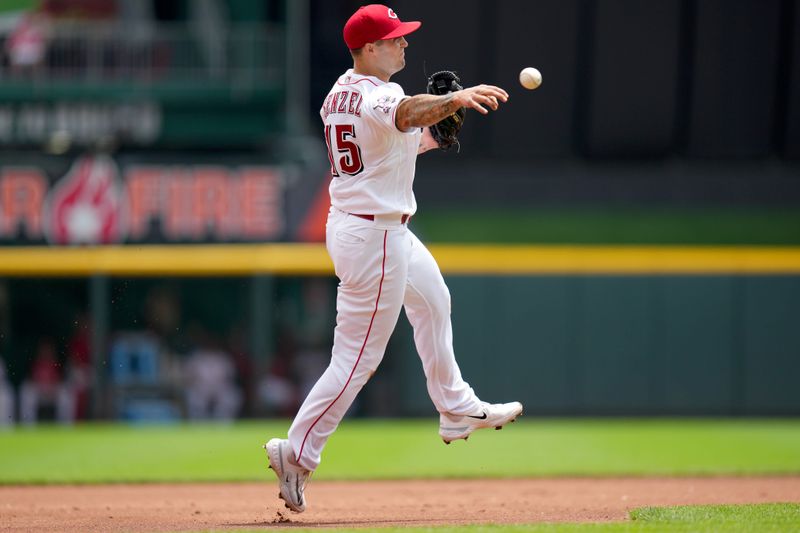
(348, 102)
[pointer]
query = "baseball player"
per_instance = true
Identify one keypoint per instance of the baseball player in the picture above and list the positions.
(374, 133)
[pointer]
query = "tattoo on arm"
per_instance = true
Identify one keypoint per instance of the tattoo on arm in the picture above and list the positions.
(424, 110)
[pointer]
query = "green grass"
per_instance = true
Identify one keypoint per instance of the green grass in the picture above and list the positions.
(763, 517)
(754, 226)
(375, 449)
(767, 518)
(386, 449)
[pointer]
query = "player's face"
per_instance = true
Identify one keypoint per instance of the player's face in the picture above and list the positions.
(391, 55)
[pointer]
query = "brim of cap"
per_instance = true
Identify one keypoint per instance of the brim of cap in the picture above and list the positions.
(403, 29)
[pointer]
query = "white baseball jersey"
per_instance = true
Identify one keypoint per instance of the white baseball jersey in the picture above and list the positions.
(372, 162)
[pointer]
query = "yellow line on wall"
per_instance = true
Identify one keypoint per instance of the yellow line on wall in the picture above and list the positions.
(158, 260)
(618, 259)
(312, 259)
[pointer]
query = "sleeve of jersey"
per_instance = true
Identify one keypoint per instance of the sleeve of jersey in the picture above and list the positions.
(383, 104)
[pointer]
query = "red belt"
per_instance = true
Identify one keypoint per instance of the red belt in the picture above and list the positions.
(403, 219)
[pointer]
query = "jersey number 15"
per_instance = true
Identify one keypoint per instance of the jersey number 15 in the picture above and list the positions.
(343, 142)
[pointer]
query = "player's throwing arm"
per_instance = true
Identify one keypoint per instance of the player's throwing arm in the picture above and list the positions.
(425, 110)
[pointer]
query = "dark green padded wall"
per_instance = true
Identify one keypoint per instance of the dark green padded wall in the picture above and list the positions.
(679, 345)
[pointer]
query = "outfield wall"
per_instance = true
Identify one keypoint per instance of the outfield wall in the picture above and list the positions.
(624, 345)
(568, 330)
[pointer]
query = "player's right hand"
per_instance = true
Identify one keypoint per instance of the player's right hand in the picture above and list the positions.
(479, 96)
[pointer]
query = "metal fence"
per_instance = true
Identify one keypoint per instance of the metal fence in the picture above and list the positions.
(241, 55)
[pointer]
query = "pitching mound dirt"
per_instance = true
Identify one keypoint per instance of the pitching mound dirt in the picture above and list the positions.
(231, 506)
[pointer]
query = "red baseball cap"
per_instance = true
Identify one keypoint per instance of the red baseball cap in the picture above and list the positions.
(375, 22)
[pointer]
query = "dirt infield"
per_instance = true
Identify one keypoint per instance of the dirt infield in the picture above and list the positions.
(181, 507)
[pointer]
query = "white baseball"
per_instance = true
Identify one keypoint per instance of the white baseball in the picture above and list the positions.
(530, 78)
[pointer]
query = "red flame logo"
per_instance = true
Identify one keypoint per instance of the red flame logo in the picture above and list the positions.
(85, 206)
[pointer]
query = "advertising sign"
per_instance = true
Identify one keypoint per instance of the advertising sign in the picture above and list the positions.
(100, 200)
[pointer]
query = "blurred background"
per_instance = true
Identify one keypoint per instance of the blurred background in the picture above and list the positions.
(133, 125)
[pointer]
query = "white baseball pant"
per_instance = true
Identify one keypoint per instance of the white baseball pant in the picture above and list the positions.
(381, 266)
